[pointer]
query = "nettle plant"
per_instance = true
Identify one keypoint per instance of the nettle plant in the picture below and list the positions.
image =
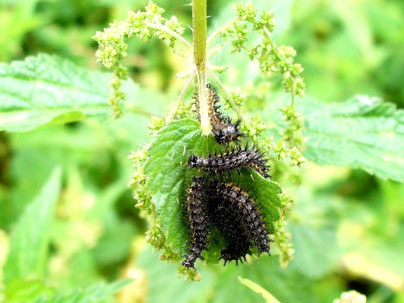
(205, 180)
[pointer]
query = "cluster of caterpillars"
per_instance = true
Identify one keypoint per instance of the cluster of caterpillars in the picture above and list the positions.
(213, 202)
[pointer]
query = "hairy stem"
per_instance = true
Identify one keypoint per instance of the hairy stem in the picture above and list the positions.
(199, 21)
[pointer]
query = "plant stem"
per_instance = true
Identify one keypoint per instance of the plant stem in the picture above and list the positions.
(199, 21)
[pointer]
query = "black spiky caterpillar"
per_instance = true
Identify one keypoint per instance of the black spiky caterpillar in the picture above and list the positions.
(224, 131)
(245, 214)
(198, 221)
(237, 242)
(233, 160)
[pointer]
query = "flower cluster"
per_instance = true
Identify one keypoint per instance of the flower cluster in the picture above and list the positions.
(291, 145)
(282, 236)
(272, 58)
(142, 25)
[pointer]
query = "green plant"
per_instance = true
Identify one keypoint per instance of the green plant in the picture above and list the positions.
(161, 197)
(147, 181)
(346, 224)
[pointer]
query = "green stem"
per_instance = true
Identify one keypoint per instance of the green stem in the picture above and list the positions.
(199, 21)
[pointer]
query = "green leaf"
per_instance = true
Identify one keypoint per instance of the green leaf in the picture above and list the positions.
(169, 177)
(46, 89)
(167, 168)
(95, 293)
(30, 236)
(363, 132)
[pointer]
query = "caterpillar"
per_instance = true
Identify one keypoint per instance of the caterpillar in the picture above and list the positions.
(238, 243)
(223, 130)
(198, 221)
(246, 215)
(234, 160)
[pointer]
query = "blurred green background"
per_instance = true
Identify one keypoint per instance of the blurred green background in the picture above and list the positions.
(347, 225)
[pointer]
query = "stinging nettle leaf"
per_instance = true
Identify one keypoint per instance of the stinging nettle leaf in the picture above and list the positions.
(47, 89)
(169, 178)
(30, 236)
(363, 132)
(166, 168)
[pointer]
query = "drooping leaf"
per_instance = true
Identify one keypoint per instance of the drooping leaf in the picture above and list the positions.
(363, 132)
(30, 236)
(169, 177)
(47, 89)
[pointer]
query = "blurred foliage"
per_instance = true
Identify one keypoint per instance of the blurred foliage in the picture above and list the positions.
(347, 225)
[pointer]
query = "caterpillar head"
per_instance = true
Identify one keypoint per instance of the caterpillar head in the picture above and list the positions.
(228, 133)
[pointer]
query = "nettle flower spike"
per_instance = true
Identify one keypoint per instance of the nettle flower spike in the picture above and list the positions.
(145, 25)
